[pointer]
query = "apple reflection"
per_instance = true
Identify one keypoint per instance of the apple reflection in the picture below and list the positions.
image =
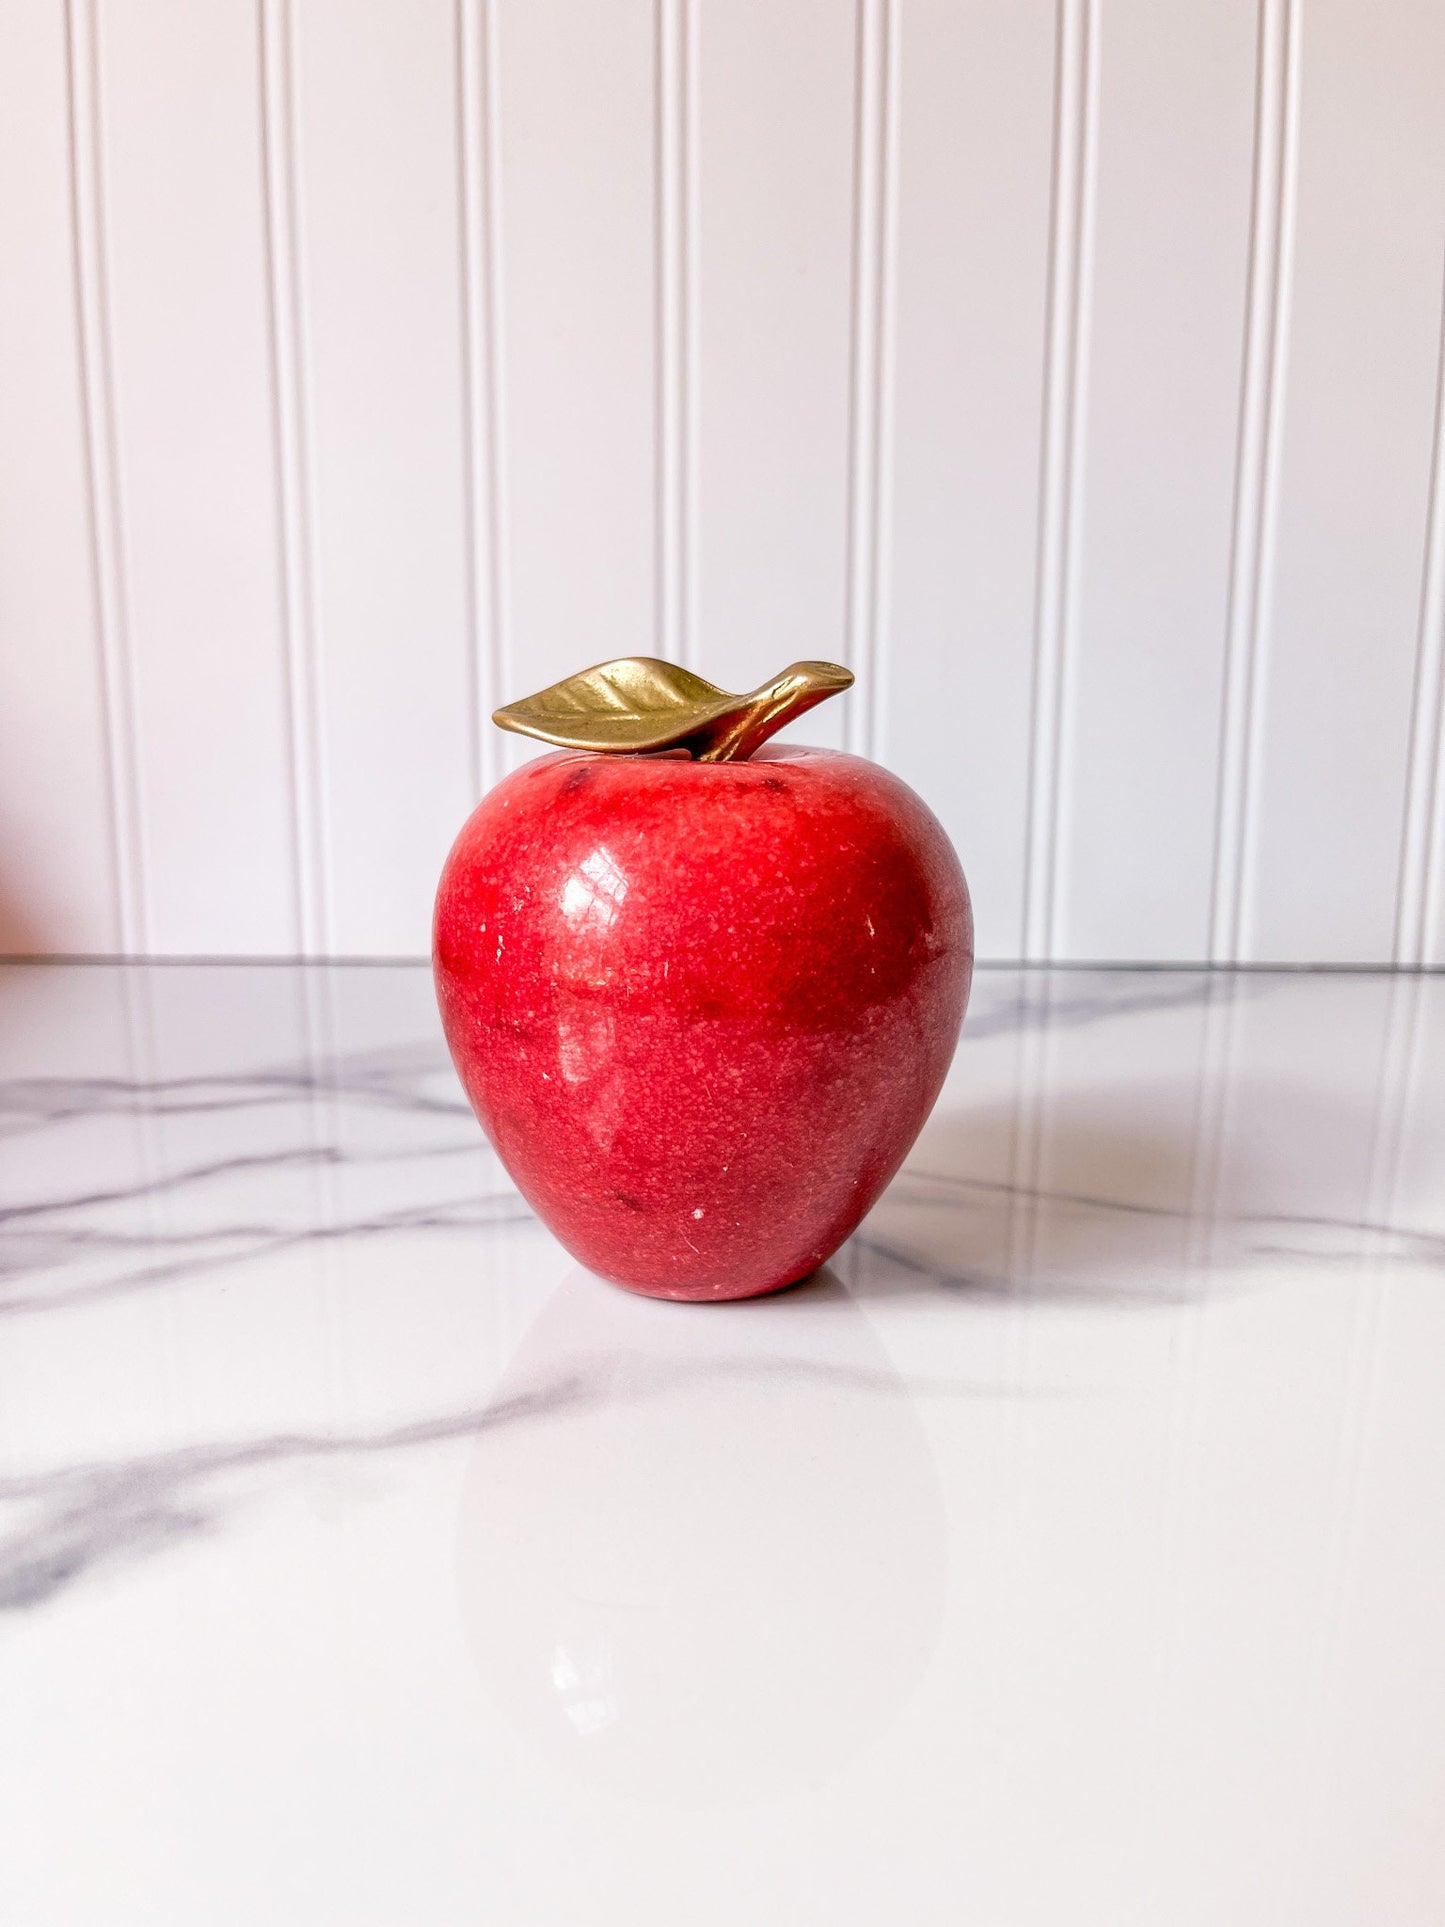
(701, 1550)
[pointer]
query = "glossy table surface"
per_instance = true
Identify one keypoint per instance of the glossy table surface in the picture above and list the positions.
(1072, 1550)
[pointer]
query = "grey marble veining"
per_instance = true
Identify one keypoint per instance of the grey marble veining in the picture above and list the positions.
(328, 1484)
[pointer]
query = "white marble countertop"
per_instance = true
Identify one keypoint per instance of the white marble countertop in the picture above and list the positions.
(1072, 1551)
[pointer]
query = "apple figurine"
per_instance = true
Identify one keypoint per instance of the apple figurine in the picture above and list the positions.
(701, 994)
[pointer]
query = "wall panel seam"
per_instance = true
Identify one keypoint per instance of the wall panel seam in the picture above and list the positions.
(675, 268)
(1420, 842)
(873, 200)
(1072, 552)
(1061, 461)
(883, 508)
(1256, 492)
(480, 451)
(692, 357)
(299, 611)
(104, 510)
(496, 370)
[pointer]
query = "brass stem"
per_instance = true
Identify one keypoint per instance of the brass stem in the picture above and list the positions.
(800, 688)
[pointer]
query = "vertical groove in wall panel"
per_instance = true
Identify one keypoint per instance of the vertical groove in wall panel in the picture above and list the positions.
(874, 151)
(476, 150)
(293, 482)
(690, 535)
(1060, 490)
(497, 367)
(102, 478)
(676, 325)
(1420, 845)
(884, 512)
(1256, 482)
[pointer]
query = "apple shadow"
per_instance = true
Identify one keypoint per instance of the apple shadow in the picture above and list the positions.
(1113, 1210)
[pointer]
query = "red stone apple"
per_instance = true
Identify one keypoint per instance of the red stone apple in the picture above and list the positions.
(702, 1008)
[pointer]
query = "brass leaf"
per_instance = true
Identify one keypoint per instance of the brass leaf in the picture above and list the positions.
(639, 704)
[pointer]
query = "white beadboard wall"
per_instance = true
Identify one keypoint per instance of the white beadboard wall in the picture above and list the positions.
(1072, 371)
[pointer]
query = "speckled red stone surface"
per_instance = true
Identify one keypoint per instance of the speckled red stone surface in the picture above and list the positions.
(702, 1009)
